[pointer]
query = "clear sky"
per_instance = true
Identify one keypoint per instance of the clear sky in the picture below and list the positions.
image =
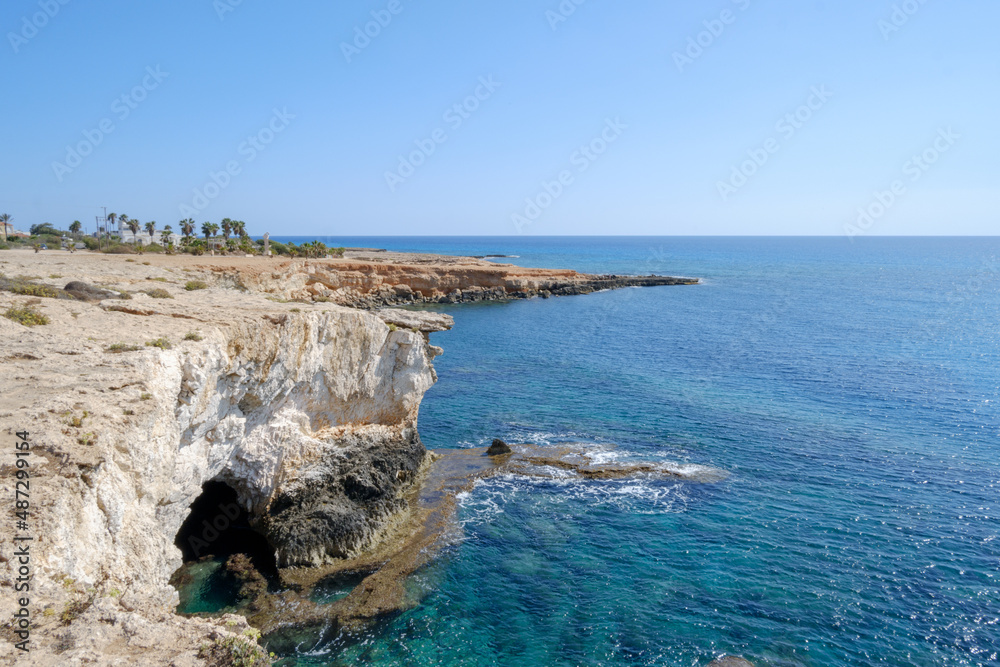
(312, 117)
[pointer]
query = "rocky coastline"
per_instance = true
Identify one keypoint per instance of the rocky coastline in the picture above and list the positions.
(147, 386)
(367, 280)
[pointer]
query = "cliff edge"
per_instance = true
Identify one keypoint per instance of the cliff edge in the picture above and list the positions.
(308, 412)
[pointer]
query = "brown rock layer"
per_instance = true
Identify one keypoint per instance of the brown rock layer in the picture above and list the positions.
(398, 278)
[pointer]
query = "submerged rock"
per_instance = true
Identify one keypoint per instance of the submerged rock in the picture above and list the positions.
(252, 583)
(498, 448)
(730, 661)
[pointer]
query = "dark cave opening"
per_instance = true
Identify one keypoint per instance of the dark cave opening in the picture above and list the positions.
(219, 527)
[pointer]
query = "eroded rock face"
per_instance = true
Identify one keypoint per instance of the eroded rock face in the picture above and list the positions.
(312, 420)
(319, 408)
(282, 403)
(402, 278)
(341, 505)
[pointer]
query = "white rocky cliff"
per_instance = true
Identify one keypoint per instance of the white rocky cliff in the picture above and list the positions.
(308, 412)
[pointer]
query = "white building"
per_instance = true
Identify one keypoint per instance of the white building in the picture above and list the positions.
(144, 239)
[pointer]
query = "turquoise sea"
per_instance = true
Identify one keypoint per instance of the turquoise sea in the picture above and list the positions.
(850, 390)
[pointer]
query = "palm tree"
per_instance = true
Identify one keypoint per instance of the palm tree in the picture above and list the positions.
(187, 227)
(227, 228)
(4, 219)
(151, 229)
(111, 220)
(240, 228)
(209, 229)
(133, 226)
(165, 234)
(75, 227)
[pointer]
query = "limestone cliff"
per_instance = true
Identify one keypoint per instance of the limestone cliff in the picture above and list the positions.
(308, 412)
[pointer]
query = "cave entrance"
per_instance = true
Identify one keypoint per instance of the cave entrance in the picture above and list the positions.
(217, 528)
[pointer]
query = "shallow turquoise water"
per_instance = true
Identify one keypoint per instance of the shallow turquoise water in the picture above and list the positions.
(850, 390)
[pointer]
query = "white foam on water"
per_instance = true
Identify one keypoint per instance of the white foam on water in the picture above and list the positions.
(604, 456)
(482, 504)
(555, 473)
(696, 472)
(489, 498)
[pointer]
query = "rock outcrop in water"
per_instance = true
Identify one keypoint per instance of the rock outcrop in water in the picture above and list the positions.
(498, 448)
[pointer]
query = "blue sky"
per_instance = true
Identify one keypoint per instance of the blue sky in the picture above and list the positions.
(649, 132)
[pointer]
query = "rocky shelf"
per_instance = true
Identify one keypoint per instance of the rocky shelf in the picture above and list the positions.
(363, 280)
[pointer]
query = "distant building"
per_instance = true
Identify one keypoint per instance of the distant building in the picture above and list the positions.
(14, 232)
(144, 239)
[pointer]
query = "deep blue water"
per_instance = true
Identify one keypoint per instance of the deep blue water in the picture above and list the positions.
(849, 389)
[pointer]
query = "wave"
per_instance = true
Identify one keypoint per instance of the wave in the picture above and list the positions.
(490, 498)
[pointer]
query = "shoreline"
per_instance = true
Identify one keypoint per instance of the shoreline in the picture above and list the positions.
(164, 374)
(377, 278)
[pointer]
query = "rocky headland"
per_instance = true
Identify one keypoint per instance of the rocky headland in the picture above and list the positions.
(153, 382)
(372, 279)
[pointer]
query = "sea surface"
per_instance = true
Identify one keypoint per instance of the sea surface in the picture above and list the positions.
(849, 389)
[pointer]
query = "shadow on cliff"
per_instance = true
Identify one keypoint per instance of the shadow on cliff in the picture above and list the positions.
(218, 546)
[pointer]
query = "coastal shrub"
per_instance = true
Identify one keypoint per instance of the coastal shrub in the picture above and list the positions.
(119, 249)
(193, 335)
(392, 327)
(159, 293)
(339, 252)
(248, 248)
(27, 316)
(279, 248)
(152, 247)
(118, 348)
(73, 610)
(193, 285)
(145, 396)
(4, 246)
(160, 279)
(161, 343)
(238, 651)
(24, 285)
(90, 242)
